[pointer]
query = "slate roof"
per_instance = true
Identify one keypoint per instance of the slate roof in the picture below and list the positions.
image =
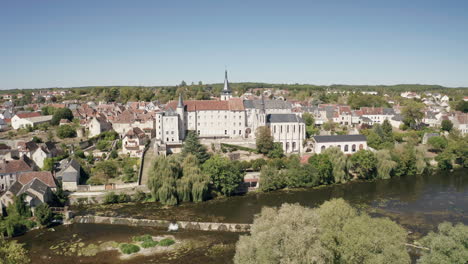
(269, 104)
(283, 118)
(339, 138)
(15, 188)
(36, 185)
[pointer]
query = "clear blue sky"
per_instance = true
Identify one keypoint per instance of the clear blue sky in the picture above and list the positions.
(77, 43)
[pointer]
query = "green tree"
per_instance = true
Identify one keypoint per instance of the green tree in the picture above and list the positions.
(61, 113)
(363, 164)
(43, 214)
(66, 131)
(225, 175)
(447, 246)
(264, 140)
(48, 164)
(308, 119)
(105, 170)
(387, 131)
(339, 162)
(446, 125)
(462, 106)
(437, 143)
(277, 151)
(162, 179)
(11, 252)
(412, 114)
(192, 146)
(385, 164)
(321, 162)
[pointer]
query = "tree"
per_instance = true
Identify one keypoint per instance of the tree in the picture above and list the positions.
(277, 151)
(270, 179)
(61, 113)
(363, 163)
(11, 252)
(412, 114)
(192, 146)
(225, 176)
(264, 140)
(387, 131)
(66, 131)
(333, 233)
(437, 143)
(385, 164)
(462, 106)
(338, 160)
(321, 162)
(447, 246)
(446, 125)
(405, 157)
(43, 214)
(288, 234)
(105, 170)
(48, 164)
(308, 119)
(162, 179)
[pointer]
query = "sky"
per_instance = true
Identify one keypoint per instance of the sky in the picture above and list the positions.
(111, 42)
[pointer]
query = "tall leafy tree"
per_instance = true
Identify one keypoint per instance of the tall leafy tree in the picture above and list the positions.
(363, 163)
(193, 146)
(321, 162)
(225, 175)
(163, 178)
(11, 252)
(413, 114)
(264, 140)
(385, 164)
(339, 163)
(61, 113)
(446, 125)
(43, 214)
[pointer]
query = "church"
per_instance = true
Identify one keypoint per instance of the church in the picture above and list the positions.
(230, 117)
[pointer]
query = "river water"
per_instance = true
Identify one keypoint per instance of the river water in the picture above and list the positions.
(417, 203)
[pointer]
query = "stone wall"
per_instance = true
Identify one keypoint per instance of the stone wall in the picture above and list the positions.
(203, 226)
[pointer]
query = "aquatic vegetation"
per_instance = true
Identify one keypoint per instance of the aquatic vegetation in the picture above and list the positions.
(142, 238)
(166, 242)
(129, 248)
(149, 244)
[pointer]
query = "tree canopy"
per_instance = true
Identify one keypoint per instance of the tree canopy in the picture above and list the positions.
(192, 146)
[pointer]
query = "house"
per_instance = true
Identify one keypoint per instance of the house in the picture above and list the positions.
(70, 175)
(29, 119)
(349, 144)
(3, 125)
(287, 129)
(44, 176)
(134, 142)
(10, 170)
(35, 193)
(97, 125)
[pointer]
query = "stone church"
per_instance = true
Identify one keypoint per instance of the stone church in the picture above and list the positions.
(230, 117)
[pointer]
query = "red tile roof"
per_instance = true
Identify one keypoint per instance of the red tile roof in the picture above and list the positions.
(26, 115)
(44, 176)
(234, 104)
(14, 166)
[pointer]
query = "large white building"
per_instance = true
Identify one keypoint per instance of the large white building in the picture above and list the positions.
(230, 118)
(349, 144)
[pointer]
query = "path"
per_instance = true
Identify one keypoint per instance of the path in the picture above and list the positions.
(147, 162)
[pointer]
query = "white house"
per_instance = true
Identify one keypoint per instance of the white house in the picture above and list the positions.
(29, 119)
(349, 144)
(289, 130)
(134, 142)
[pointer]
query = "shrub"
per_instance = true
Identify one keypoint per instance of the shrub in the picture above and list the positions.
(149, 244)
(142, 238)
(166, 242)
(140, 196)
(111, 198)
(129, 248)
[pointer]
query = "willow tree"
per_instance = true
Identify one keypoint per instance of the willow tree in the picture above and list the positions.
(385, 164)
(195, 182)
(163, 178)
(339, 161)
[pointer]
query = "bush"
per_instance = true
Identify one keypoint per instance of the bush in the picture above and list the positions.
(149, 244)
(142, 238)
(66, 131)
(140, 196)
(111, 198)
(129, 248)
(166, 242)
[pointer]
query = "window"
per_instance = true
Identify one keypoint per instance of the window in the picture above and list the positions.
(294, 128)
(346, 148)
(198, 132)
(172, 132)
(240, 132)
(240, 124)
(361, 147)
(225, 132)
(287, 128)
(322, 148)
(281, 129)
(339, 146)
(353, 148)
(233, 132)
(287, 146)
(167, 139)
(274, 129)
(167, 132)
(294, 146)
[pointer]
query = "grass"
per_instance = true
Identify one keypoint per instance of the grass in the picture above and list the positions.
(166, 242)
(129, 248)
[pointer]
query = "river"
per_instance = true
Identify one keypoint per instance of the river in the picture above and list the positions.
(417, 203)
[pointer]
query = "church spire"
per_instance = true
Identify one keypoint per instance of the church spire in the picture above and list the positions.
(180, 104)
(226, 88)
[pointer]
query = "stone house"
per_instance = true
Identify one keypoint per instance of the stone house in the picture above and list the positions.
(29, 119)
(134, 142)
(70, 175)
(9, 171)
(349, 144)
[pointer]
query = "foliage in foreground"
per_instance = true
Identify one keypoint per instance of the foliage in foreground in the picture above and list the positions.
(12, 252)
(447, 246)
(333, 233)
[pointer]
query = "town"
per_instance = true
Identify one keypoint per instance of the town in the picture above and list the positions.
(66, 148)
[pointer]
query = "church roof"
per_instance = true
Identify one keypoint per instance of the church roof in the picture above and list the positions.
(283, 118)
(269, 104)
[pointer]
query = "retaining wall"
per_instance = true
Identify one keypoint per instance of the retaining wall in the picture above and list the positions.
(203, 226)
